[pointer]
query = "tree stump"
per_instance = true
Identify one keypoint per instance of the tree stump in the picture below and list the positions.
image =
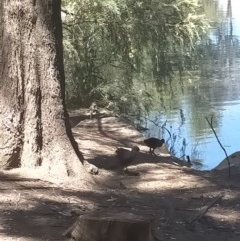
(110, 226)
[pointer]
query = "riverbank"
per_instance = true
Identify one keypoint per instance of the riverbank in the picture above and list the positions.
(175, 197)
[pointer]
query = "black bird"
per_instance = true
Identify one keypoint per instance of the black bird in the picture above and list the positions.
(125, 156)
(188, 159)
(153, 143)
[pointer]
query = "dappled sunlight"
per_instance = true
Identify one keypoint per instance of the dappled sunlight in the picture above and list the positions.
(163, 192)
(155, 177)
(228, 216)
(56, 175)
(162, 188)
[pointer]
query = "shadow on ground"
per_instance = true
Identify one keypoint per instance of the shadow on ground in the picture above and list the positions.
(165, 190)
(44, 212)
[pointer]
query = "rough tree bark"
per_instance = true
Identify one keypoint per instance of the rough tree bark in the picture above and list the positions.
(34, 126)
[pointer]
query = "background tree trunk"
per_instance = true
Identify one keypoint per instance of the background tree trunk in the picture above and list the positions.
(34, 127)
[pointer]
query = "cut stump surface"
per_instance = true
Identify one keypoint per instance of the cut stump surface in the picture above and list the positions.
(110, 226)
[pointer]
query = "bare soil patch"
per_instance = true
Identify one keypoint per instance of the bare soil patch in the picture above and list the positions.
(164, 189)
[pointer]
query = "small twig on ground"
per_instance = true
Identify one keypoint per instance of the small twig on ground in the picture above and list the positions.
(211, 125)
(205, 208)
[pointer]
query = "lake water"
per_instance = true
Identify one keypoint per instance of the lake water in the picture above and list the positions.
(212, 92)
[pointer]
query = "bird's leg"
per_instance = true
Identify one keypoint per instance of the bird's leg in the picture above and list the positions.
(124, 170)
(154, 152)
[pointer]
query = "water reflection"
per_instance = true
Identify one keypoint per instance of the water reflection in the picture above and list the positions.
(213, 91)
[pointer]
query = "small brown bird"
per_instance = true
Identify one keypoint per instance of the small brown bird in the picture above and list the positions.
(125, 156)
(153, 143)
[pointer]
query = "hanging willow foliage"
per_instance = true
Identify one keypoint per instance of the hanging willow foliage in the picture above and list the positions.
(111, 43)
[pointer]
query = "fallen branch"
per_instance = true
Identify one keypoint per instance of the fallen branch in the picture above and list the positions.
(205, 208)
(211, 125)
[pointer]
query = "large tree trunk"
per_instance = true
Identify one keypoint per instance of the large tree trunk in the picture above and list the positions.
(34, 127)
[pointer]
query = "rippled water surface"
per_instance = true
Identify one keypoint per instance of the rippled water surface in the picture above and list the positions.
(217, 95)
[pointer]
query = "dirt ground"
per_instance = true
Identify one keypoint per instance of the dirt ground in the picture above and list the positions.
(175, 197)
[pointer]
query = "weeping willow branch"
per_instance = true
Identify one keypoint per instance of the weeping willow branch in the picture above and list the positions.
(157, 124)
(211, 125)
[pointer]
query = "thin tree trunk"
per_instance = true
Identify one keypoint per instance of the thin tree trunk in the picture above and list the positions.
(35, 131)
